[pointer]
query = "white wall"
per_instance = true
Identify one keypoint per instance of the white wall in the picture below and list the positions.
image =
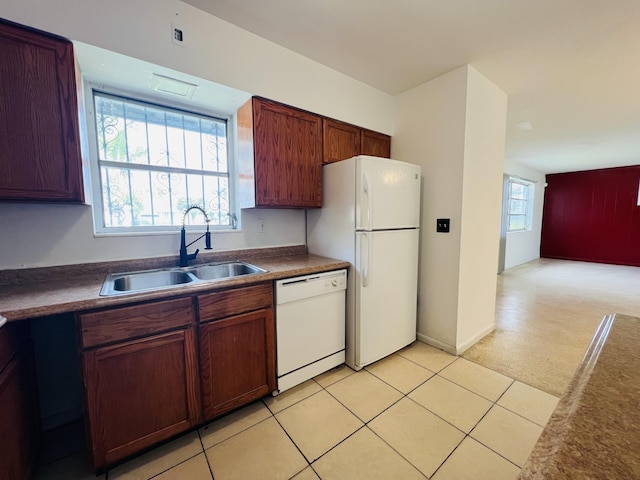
(46, 235)
(43, 235)
(522, 247)
(430, 132)
(454, 127)
(486, 119)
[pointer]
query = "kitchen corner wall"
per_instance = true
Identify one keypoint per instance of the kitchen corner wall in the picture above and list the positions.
(44, 234)
(454, 127)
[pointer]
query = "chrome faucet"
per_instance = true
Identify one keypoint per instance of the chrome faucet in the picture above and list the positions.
(184, 256)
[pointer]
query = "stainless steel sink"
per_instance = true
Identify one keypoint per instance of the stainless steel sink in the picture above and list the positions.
(144, 281)
(224, 270)
(152, 280)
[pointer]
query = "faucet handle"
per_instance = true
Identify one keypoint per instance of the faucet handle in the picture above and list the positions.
(192, 256)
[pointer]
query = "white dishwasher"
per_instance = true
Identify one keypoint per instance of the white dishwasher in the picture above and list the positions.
(310, 326)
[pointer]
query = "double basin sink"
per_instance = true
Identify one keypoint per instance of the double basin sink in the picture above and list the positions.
(152, 280)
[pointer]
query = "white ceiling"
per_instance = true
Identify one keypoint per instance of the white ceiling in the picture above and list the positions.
(571, 67)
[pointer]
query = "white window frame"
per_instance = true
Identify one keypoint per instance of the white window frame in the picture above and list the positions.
(91, 146)
(528, 215)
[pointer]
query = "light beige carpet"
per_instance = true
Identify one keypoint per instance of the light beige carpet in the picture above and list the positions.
(546, 314)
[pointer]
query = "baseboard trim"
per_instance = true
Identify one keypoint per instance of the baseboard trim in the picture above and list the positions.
(477, 337)
(460, 348)
(437, 344)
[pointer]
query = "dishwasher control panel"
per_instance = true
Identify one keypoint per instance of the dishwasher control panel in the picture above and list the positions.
(293, 289)
(335, 283)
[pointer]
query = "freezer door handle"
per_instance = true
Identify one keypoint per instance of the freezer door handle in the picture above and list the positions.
(365, 251)
(366, 190)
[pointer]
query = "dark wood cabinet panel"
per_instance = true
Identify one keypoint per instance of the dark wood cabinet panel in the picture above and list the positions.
(286, 144)
(145, 380)
(237, 359)
(139, 393)
(19, 416)
(341, 140)
(232, 302)
(39, 139)
(375, 144)
(117, 324)
(13, 336)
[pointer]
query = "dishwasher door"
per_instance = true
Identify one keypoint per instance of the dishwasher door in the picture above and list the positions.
(310, 326)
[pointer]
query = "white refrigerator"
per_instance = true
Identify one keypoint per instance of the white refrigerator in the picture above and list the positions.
(370, 217)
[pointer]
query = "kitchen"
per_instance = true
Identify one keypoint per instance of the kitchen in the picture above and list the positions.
(70, 237)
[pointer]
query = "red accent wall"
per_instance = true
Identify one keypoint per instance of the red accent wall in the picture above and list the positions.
(592, 216)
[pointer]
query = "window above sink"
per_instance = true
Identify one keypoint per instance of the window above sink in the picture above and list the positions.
(154, 148)
(155, 161)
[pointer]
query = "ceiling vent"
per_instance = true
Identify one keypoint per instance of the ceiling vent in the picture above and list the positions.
(173, 86)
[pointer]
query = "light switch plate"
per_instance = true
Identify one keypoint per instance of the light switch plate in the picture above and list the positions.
(442, 225)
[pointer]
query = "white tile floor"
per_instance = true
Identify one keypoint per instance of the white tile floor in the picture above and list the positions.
(420, 413)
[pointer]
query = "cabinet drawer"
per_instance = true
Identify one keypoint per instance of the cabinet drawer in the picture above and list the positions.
(235, 301)
(116, 324)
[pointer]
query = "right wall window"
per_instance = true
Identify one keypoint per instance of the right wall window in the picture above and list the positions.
(520, 204)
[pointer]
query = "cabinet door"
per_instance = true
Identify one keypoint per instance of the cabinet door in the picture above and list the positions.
(39, 144)
(139, 393)
(287, 155)
(19, 424)
(340, 140)
(237, 361)
(376, 144)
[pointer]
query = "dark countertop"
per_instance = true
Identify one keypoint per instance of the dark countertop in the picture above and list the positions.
(36, 292)
(594, 433)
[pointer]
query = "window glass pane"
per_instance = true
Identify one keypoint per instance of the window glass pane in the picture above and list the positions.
(214, 146)
(217, 200)
(193, 152)
(157, 145)
(170, 160)
(519, 214)
(175, 143)
(518, 190)
(517, 207)
(516, 222)
(110, 124)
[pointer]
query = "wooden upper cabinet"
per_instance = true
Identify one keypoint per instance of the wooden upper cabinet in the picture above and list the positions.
(376, 144)
(343, 140)
(39, 139)
(286, 144)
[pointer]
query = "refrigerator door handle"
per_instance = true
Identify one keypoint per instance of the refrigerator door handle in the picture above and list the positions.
(367, 259)
(367, 195)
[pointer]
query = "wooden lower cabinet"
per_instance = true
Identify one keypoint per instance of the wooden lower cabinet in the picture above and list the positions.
(139, 393)
(19, 418)
(145, 380)
(237, 361)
